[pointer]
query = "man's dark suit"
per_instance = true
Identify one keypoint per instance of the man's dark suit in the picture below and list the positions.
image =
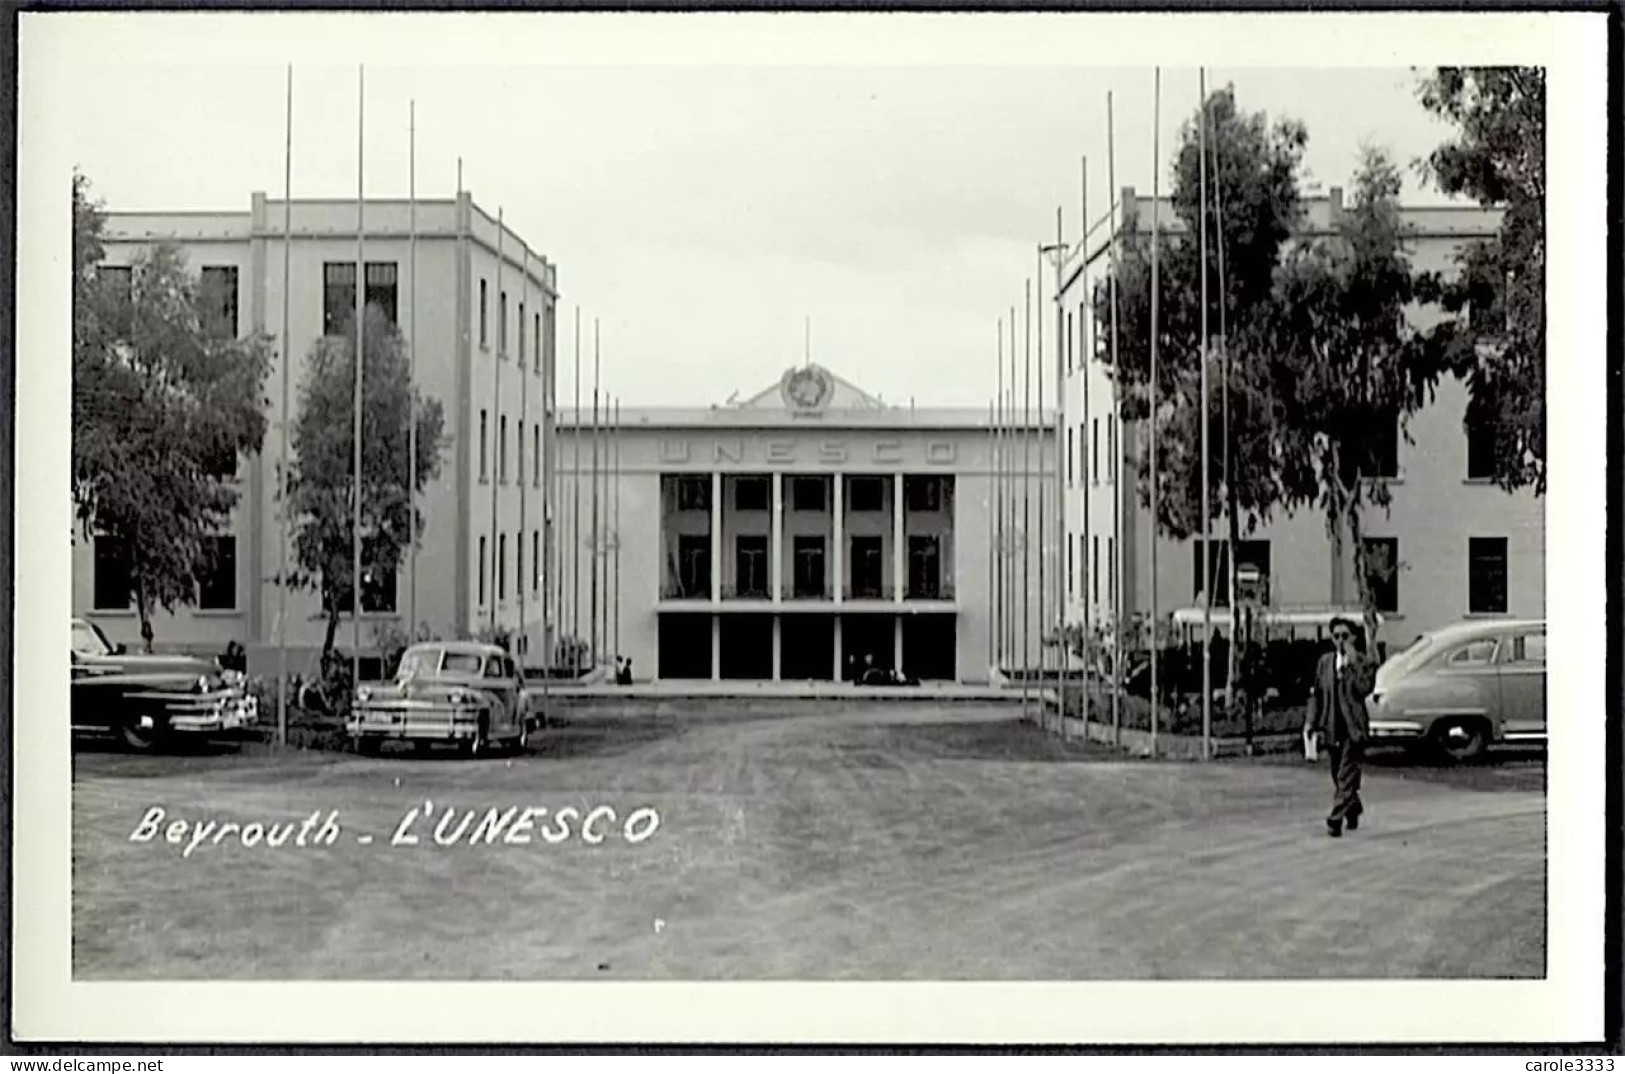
(1337, 711)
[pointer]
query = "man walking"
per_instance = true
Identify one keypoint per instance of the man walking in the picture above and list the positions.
(1343, 680)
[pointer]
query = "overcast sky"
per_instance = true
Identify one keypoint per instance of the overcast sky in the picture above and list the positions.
(699, 207)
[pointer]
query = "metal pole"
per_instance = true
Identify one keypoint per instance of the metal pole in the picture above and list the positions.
(360, 362)
(1207, 532)
(615, 525)
(1088, 564)
(575, 505)
(992, 538)
(545, 461)
(593, 607)
(1117, 454)
(1026, 485)
(1156, 463)
(1001, 541)
(519, 455)
(498, 569)
(282, 469)
(1010, 499)
(1038, 334)
(412, 375)
(1224, 426)
(1062, 536)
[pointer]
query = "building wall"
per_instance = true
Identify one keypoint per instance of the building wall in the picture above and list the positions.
(325, 232)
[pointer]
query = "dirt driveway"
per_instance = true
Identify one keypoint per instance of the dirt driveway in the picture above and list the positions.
(887, 841)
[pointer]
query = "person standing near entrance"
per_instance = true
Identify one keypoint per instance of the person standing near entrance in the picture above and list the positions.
(1344, 678)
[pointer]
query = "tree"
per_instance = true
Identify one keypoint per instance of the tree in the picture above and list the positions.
(166, 403)
(320, 479)
(1498, 158)
(1355, 366)
(1252, 177)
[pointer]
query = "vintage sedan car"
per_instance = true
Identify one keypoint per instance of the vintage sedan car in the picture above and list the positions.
(149, 700)
(1464, 687)
(467, 693)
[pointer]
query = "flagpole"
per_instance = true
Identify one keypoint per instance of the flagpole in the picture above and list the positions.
(1026, 486)
(1087, 564)
(1062, 341)
(1224, 426)
(1001, 540)
(1038, 354)
(519, 469)
(1156, 463)
(615, 525)
(575, 505)
(1207, 531)
(360, 362)
(1010, 500)
(593, 607)
(545, 461)
(411, 375)
(282, 469)
(992, 537)
(499, 561)
(1117, 453)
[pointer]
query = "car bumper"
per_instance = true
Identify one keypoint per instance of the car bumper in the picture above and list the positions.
(1397, 730)
(212, 713)
(425, 721)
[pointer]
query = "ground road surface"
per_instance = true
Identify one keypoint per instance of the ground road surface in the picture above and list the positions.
(878, 841)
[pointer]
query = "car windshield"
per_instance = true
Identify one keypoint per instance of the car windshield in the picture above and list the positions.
(88, 641)
(463, 663)
(418, 663)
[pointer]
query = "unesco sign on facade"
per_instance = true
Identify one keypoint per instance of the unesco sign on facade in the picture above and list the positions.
(792, 452)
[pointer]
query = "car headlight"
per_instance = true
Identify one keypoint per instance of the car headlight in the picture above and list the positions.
(202, 685)
(461, 697)
(363, 695)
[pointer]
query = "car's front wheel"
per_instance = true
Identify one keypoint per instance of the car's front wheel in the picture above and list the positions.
(368, 745)
(1460, 739)
(137, 737)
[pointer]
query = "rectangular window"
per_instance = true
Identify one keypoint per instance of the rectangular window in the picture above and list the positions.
(1481, 443)
(111, 587)
(535, 560)
(1094, 570)
(868, 568)
(1069, 343)
(1382, 571)
(217, 574)
(1487, 575)
(809, 567)
(693, 493)
(482, 572)
(536, 455)
(381, 288)
(502, 449)
(923, 493)
(519, 562)
(1111, 572)
(1071, 589)
(693, 566)
(1378, 456)
(485, 308)
(217, 297)
(1094, 453)
(1111, 449)
(807, 493)
(750, 565)
(502, 324)
(868, 494)
(536, 339)
(502, 566)
(482, 447)
(520, 350)
(338, 296)
(751, 493)
(925, 566)
(1527, 648)
(519, 452)
(338, 293)
(1069, 448)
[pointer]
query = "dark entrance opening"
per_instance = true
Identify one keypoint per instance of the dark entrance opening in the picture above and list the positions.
(685, 646)
(930, 647)
(807, 647)
(747, 647)
(868, 636)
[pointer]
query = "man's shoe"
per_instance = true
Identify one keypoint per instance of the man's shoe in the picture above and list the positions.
(1334, 829)
(1354, 822)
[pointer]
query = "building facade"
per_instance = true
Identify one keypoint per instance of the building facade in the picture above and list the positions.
(805, 533)
(1460, 547)
(476, 306)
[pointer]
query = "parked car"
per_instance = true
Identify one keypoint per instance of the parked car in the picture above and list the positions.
(1461, 688)
(467, 693)
(148, 700)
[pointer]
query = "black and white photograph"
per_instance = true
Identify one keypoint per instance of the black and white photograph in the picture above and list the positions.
(1031, 527)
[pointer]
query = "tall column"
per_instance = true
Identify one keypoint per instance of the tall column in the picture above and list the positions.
(837, 530)
(775, 554)
(777, 646)
(716, 536)
(897, 643)
(838, 667)
(716, 647)
(898, 587)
